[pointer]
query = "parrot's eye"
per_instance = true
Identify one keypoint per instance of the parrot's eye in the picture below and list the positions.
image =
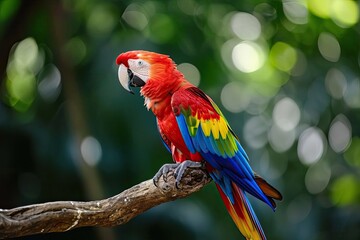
(140, 63)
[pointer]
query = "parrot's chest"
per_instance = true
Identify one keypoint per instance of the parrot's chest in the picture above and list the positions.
(164, 116)
(168, 127)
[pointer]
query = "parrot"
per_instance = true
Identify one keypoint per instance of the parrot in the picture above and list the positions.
(196, 133)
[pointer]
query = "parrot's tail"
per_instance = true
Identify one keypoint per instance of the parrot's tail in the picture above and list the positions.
(242, 213)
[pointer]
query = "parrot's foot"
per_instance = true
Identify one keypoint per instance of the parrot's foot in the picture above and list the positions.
(179, 171)
(163, 172)
(177, 168)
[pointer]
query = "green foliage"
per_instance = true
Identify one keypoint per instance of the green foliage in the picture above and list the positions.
(285, 74)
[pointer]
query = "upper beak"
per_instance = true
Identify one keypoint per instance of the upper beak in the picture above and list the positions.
(128, 79)
(124, 78)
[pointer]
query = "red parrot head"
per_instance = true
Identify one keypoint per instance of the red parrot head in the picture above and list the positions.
(140, 68)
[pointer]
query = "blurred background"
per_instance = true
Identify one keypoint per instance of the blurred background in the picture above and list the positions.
(285, 73)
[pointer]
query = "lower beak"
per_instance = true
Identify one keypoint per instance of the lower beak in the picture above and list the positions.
(128, 79)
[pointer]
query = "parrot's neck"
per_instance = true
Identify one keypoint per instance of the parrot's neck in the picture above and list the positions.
(157, 94)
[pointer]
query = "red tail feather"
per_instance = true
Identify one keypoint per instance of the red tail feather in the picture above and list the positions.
(242, 214)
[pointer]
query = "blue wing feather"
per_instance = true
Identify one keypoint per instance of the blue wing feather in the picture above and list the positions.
(185, 133)
(242, 151)
(224, 183)
(201, 140)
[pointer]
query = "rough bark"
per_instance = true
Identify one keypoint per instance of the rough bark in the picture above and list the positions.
(66, 215)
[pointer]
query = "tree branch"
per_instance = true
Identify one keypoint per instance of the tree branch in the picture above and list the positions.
(66, 215)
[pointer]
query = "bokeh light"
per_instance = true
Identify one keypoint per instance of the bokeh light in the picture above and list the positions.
(345, 190)
(245, 26)
(191, 73)
(135, 17)
(22, 68)
(258, 102)
(75, 48)
(283, 56)
(91, 150)
(329, 47)
(255, 131)
(281, 140)
(340, 133)
(345, 13)
(311, 146)
(286, 114)
(27, 56)
(296, 11)
(274, 168)
(248, 56)
(335, 82)
(321, 8)
(317, 177)
(50, 84)
(352, 93)
(234, 97)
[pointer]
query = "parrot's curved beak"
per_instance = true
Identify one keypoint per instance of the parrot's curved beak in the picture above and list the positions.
(128, 79)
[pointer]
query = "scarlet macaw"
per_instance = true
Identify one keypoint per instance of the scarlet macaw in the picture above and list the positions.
(195, 132)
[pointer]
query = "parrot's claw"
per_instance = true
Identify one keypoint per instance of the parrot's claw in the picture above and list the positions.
(163, 172)
(179, 171)
(178, 168)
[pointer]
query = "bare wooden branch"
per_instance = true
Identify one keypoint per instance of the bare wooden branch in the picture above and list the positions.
(66, 215)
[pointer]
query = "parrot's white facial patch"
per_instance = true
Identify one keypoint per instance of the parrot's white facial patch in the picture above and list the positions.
(140, 68)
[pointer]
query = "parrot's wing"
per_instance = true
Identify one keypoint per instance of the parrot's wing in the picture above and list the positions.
(205, 130)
